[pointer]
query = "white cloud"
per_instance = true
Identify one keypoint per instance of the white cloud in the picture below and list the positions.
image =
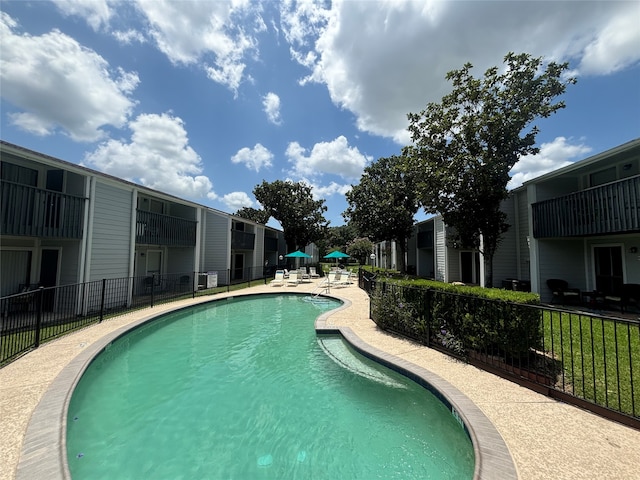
(127, 37)
(237, 200)
(616, 46)
(96, 12)
(382, 60)
(158, 156)
(57, 83)
(271, 104)
(210, 33)
(333, 188)
(553, 155)
(255, 158)
(335, 157)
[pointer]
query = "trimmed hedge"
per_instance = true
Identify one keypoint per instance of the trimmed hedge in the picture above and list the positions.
(459, 318)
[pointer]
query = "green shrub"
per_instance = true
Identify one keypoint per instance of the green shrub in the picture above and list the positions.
(459, 317)
(390, 310)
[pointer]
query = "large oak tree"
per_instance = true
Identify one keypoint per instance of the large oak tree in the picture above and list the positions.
(253, 214)
(465, 146)
(292, 204)
(383, 205)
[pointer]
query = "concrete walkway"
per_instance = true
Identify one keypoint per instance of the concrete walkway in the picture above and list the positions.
(546, 438)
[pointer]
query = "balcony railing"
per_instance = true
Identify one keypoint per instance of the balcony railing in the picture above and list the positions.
(242, 240)
(158, 229)
(610, 208)
(35, 212)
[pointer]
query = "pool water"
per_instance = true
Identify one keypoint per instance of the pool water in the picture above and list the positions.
(245, 389)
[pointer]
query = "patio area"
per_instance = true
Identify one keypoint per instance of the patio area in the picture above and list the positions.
(546, 438)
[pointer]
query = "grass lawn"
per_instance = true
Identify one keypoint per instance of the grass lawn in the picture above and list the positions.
(600, 358)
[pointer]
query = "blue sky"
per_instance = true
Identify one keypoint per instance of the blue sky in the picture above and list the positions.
(205, 100)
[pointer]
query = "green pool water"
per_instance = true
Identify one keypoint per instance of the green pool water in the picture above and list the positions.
(245, 389)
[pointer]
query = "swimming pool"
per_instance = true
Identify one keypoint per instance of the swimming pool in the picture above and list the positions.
(244, 388)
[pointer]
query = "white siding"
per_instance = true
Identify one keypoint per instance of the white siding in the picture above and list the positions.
(440, 241)
(111, 232)
(217, 251)
(180, 260)
(524, 236)
(562, 259)
(453, 265)
(505, 264)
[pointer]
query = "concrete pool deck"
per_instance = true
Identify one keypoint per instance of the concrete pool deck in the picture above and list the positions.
(546, 438)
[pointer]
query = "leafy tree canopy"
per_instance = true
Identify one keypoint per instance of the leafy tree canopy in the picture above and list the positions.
(292, 204)
(339, 237)
(383, 205)
(465, 146)
(255, 215)
(360, 249)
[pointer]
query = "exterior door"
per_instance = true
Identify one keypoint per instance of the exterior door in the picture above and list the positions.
(238, 266)
(154, 262)
(49, 277)
(608, 269)
(470, 267)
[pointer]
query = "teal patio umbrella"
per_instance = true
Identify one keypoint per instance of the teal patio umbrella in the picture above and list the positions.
(337, 255)
(297, 254)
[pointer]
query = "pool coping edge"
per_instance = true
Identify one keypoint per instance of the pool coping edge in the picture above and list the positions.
(44, 455)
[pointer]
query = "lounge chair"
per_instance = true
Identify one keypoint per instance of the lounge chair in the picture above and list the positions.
(303, 276)
(629, 295)
(562, 293)
(278, 280)
(331, 279)
(344, 280)
(313, 273)
(293, 279)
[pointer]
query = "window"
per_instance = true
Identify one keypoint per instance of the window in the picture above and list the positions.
(17, 174)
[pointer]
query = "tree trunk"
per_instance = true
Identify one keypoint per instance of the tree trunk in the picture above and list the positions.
(402, 267)
(488, 271)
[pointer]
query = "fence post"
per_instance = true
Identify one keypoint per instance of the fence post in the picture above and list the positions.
(36, 342)
(153, 284)
(426, 298)
(228, 280)
(193, 285)
(102, 295)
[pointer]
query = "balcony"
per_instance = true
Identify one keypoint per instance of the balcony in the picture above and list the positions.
(242, 240)
(425, 239)
(607, 209)
(270, 244)
(158, 229)
(35, 212)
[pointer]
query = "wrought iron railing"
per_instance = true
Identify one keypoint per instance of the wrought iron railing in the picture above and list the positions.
(584, 358)
(159, 229)
(242, 240)
(35, 212)
(610, 208)
(30, 318)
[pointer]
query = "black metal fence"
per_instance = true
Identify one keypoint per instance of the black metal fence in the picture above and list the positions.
(581, 357)
(32, 317)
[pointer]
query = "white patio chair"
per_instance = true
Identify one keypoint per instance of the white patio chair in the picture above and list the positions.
(278, 280)
(303, 276)
(293, 280)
